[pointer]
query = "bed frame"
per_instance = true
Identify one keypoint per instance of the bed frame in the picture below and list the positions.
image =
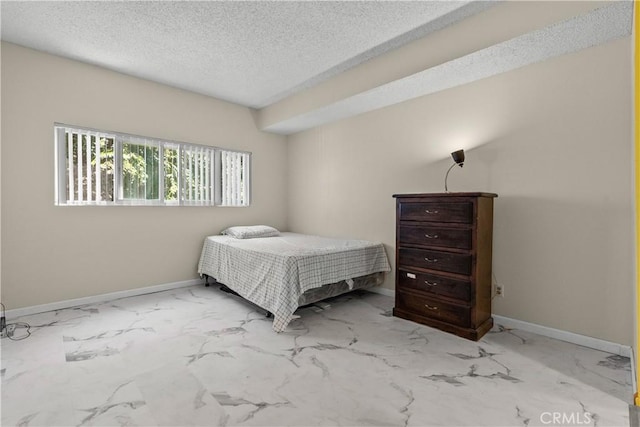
(284, 272)
(313, 296)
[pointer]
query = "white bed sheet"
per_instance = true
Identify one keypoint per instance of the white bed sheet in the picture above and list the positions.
(273, 272)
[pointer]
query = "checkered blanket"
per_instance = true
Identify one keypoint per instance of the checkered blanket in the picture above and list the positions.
(273, 272)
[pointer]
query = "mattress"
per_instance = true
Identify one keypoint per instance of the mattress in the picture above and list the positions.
(273, 272)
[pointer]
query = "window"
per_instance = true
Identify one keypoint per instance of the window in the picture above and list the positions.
(106, 168)
(234, 173)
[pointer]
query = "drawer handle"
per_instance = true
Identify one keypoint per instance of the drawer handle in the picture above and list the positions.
(429, 307)
(428, 283)
(431, 212)
(431, 236)
(431, 260)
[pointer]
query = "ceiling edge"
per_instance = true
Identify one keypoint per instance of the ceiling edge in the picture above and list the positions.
(591, 29)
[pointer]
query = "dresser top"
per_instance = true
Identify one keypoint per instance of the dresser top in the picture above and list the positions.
(418, 195)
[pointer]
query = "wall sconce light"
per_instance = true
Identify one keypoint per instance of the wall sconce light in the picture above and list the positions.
(458, 158)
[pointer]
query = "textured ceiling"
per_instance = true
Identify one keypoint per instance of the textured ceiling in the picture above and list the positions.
(266, 54)
(250, 53)
(596, 27)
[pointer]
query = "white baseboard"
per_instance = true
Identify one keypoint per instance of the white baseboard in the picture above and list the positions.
(559, 334)
(26, 311)
(583, 340)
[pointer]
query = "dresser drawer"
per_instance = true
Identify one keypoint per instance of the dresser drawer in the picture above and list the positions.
(433, 308)
(437, 285)
(458, 238)
(459, 212)
(435, 260)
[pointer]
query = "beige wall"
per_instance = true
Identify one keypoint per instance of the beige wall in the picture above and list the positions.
(553, 140)
(53, 253)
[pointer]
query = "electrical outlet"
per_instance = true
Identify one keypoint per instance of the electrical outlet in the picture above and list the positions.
(500, 291)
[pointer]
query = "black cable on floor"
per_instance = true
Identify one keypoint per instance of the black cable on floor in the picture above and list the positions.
(9, 329)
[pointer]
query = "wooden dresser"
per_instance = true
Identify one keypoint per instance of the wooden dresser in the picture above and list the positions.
(443, 261)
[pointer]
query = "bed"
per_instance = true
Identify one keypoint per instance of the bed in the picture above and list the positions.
(281, 271)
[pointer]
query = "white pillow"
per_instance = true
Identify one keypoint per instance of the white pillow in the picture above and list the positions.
(251, 231)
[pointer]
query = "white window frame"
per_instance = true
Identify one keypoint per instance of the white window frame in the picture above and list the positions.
(208, 183)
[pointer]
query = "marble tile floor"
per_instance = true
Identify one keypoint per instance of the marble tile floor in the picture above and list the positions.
(198, 356)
